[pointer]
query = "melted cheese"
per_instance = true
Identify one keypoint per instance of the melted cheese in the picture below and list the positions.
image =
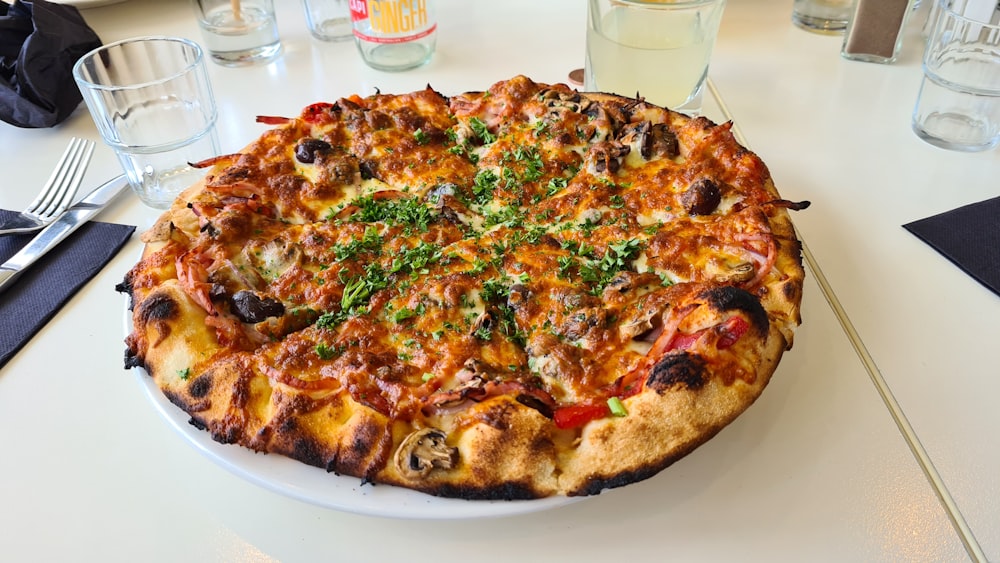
(509, 283)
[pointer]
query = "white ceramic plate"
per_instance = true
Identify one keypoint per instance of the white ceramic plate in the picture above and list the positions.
(87, 3)
(313, 485)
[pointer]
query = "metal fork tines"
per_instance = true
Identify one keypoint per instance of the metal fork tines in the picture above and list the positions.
(58, 192)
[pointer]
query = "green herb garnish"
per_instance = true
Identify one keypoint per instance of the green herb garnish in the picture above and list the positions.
(616, 406)
(482, 131)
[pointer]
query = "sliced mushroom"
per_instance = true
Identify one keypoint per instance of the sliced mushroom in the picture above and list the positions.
(662, 142)
(424, 451)
(233, 274)
(551, 94)
(607, 156)
(447, 212)
(347, 106)
(636, 136)
(519, 294)
(556, 99)
(742, 272)
(470, 368)
(448, 207)
(273, 258)
(627, 281)
(436, 193)
(611, 114)
(652, 141)
(483, 322)
(622, 282)
(606, 121)
(582, 321)
(252, 308)
(702, 197)
(339, 169)
(640, 326)
(368, 169)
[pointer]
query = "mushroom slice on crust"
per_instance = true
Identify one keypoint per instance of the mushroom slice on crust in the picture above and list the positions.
(422, 452)
(742, 272)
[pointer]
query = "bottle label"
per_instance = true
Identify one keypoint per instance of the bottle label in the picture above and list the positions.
(391, 21)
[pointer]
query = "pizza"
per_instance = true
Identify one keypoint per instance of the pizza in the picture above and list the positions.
(508, 294)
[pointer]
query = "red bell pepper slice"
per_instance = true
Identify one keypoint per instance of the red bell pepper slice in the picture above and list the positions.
(731, 332)
(573, 416)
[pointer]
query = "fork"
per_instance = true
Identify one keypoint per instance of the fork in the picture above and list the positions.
(57, 193)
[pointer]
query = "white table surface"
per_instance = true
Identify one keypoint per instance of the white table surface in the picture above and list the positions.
(817, 469)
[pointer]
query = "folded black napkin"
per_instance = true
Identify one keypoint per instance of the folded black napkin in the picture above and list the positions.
(39, 44)
(42, 290)
(968, 236)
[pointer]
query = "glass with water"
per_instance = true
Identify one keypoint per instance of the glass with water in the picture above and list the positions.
(657, 50)
(958, 106)
(152, 102)
(238, 32)
(328, 20)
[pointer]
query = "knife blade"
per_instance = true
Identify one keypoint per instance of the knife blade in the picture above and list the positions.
(78, 214)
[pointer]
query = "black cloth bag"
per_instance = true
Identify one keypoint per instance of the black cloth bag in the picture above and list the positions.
(39, 44)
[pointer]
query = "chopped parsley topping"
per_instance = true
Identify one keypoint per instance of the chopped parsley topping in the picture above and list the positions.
(414, 260)
(407, 211)
(400, 315)
(555, 185)
(534, 168)
(496, 291)
(357, 291)
(371, 241)
(483, 185)
(325, 352)
(600, 272)
(481, 131)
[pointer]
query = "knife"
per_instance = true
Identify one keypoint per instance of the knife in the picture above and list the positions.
(78, 214)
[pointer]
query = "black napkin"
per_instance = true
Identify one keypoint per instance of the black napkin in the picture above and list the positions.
(38, 293)
(968, 236)
(39, 44)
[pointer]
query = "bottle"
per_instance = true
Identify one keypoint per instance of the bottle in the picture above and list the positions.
(394, 35)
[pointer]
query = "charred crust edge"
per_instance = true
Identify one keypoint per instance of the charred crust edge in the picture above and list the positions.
(505, 491)
(730, 298)
(201, 386)
(158, 306)
(133, 360)
(677, 369)
(594, 485)
(126, 287)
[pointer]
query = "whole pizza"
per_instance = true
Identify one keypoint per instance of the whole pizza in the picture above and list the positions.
(516, 293)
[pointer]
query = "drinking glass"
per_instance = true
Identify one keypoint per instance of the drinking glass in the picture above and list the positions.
(822, 16)
(329, 20)
(958, 106)
(152, 102)
(238, 32)
(659, 50)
